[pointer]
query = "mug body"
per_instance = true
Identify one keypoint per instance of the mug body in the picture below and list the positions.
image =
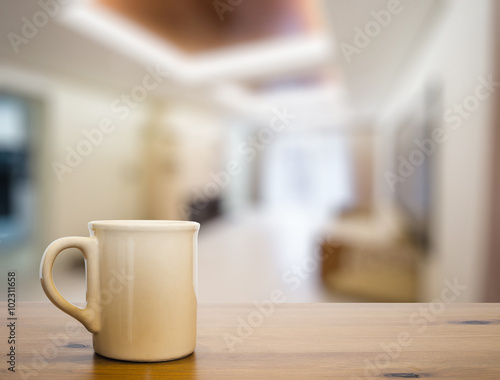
(146, 306)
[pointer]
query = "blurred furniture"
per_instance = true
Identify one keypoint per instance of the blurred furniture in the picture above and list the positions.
(182, 154)
(204, 211)
(367, 253)
(295, 341)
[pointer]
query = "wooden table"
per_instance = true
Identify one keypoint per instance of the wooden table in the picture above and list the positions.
(296, 341)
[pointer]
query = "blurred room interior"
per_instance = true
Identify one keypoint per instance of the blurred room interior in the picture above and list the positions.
(341, 151)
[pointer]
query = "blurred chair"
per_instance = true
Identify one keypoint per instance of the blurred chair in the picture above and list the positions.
(368, 248)
(368, 253)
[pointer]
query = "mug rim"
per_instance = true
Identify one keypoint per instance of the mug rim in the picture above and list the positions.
(144, 225)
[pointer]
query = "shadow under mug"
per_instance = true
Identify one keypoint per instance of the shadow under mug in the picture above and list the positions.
(141, 287)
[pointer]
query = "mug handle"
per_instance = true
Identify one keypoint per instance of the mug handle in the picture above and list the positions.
(89, 315)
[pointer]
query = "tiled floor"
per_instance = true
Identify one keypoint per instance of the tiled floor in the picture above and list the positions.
(243, 259)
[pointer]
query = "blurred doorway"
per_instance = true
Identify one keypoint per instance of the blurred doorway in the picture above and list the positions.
(16, 181)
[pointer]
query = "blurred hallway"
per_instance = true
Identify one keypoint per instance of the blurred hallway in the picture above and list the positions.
(285, 127)
(238, 261)
(243, 259)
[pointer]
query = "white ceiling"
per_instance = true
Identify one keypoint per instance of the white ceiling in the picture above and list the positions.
(91, 42)
(61, 49)
(76, 46)
(370, 74)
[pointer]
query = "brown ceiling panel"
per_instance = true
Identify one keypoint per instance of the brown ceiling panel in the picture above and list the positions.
(200, 25)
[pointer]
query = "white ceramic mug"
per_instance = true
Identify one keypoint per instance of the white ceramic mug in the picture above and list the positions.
(141, 287)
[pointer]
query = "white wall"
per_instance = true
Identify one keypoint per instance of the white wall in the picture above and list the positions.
(107, 183)
(112, 181)
(459, 51)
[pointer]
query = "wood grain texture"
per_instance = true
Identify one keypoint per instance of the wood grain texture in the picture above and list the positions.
(297, 341)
